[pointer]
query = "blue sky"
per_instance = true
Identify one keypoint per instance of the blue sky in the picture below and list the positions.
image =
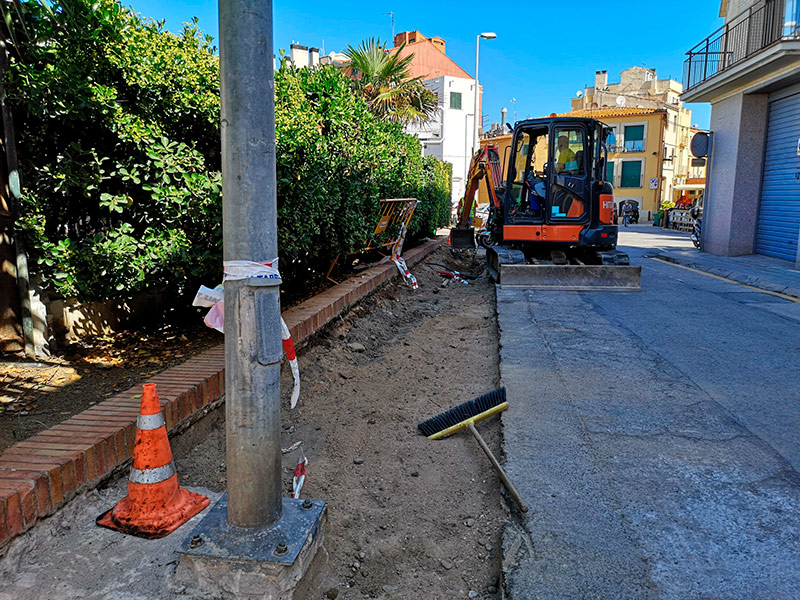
(544, 52)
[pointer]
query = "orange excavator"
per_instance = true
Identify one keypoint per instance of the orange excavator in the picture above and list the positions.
(550, 223)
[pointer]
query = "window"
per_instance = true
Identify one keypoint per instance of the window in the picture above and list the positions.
(455, 100)
(568, 152)
(631, 174)
(610, 172)
(634, 138)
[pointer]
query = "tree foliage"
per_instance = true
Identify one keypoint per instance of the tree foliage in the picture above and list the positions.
(118, 141)
(117, 128)
(383, 79)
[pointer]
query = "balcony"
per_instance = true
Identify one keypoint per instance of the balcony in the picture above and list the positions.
(627, 146)
(762, 40)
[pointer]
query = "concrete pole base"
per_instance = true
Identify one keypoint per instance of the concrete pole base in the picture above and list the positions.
(220, 561)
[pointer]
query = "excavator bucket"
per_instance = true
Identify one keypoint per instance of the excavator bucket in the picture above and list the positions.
(462, 238)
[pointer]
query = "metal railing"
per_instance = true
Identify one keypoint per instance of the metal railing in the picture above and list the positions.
(750, 32)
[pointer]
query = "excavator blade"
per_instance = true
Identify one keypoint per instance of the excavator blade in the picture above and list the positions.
(509, 268)
(578, 278)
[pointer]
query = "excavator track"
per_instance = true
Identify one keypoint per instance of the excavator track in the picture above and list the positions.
(509, 267)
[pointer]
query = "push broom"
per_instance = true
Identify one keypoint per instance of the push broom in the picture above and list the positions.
(464, 416)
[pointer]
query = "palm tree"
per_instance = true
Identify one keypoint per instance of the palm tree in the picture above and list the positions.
(383, 79)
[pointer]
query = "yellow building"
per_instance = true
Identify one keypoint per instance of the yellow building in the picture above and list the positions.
(636, 165)
(648, 159)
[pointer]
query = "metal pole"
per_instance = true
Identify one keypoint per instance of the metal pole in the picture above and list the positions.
(249, 226)
(475, 129)
(707, 195)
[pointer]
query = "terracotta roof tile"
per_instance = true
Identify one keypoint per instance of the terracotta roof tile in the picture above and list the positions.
(611, 112)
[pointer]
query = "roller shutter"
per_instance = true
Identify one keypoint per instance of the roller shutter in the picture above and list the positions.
(779, 212)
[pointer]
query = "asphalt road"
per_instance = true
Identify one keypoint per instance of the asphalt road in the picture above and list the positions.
(654, 436)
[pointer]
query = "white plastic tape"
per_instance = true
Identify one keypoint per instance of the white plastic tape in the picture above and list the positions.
(208, 297)
(408, 278)
(246, 269)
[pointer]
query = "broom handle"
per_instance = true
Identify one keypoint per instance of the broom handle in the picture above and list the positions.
(506, 481)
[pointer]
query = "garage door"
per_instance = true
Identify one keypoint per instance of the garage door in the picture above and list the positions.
(779, 212)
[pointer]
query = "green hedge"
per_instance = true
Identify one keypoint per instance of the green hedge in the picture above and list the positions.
(118, 138)
(335, 161)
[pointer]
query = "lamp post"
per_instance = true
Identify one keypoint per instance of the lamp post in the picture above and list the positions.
(514, 101)
(487, 36)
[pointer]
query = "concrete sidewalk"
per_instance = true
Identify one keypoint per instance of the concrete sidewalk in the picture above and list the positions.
(762, 272)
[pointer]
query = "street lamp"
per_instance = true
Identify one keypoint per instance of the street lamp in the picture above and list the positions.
(487, 36)
(514, 100)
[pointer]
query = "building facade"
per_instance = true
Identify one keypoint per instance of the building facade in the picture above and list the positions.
(652, 130)
(448, 136)
(749, 71)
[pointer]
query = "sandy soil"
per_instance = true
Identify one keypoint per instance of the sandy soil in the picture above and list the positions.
(37, 395)
(409, 518)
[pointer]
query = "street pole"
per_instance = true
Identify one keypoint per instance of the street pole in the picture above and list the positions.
(249, 226)
(475, 112)
(486, 36)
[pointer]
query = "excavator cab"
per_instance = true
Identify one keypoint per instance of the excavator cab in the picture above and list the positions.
(554, 185)
(552, 208)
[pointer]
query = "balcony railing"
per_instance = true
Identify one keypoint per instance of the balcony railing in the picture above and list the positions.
(627, 146)
(760, 26)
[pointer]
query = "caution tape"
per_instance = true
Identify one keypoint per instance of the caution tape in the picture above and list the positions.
(248, 269)
(398, 260)
(215, 318)
(291, 356)
(407, 276)
(299, 477)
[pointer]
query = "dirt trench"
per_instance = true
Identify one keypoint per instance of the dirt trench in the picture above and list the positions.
(409, 518)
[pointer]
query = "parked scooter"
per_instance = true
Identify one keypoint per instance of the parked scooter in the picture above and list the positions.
(698, 226)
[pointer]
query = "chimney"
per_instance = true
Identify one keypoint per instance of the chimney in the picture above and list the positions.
(313, 57)
(299, 55)
(600, 80)
(439, 44)
(503, 114)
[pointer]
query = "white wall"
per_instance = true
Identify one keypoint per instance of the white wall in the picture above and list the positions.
(448, 137)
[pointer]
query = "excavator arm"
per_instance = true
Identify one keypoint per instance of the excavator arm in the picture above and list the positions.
(485, 164)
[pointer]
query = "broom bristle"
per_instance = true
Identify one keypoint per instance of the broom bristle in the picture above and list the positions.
(462, 412)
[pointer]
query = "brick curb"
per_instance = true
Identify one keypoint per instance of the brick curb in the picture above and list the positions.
(42, 473)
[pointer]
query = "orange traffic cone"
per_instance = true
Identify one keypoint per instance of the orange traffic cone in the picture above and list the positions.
(155, 506)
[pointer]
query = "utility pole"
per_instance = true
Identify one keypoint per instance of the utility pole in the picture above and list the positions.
(249, 233)
(253, 542)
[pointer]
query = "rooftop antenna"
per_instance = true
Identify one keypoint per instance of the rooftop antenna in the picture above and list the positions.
(391, 14)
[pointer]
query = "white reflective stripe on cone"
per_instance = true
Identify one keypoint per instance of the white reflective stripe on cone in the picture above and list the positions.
(156, 475)
(150, 422)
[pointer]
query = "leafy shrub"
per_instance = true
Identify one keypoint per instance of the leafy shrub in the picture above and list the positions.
(118, 144)
(118, 140)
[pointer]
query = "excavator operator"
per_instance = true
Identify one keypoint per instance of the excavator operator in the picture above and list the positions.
(565, 154)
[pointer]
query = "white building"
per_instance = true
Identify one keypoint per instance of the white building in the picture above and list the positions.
(448, 137)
